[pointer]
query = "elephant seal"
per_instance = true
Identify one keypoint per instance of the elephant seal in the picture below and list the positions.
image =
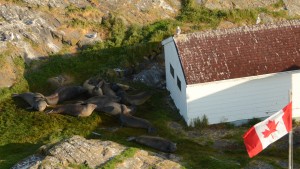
(100, 101)
(107, 91)
(136, 99)
(35, 100)
(158, 143)
(77, 110)
(113, 108)
(64, 93)
(93, 90)
(135, 122)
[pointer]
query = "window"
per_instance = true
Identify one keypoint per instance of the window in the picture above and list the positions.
(179, 83)
(171, 70)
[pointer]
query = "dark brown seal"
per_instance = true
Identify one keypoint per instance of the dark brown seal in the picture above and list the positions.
(93, 90)
(136, 99)
(78, 110)
(113, 108)
(100, 101)
(158, 143)
(107, 91)
(135, 122)
(65, 93)
(35, 100)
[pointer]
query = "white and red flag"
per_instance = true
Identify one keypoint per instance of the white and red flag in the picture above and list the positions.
(268, 131)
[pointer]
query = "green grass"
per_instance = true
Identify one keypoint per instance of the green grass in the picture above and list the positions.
(22, 131)
(28, 130)
(128, 153)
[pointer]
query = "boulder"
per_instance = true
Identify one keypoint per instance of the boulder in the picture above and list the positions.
(71, 38)
(293, 7)
(237, 4)
(24, 30)
(153, 77)
(142, 159)
(88, 39)
(75, 150)
(93, 154)
(265, 18)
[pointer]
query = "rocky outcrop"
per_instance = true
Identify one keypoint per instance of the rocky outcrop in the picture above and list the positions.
(26, 29)
(143, 159)
(237, 4)
(153, 77)
(58, 3)
(94, 154)
(293, 7)
(142, 11)
(27, 33)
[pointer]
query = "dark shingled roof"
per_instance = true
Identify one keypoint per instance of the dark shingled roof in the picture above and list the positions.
(239, 52)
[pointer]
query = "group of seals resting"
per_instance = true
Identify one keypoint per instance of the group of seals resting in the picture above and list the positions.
(105, 98)
(108, 98)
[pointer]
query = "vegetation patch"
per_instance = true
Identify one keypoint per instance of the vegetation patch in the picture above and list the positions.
(128, 153)
(23, 131)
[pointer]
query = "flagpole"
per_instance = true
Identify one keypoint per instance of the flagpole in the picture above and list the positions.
(290, 139)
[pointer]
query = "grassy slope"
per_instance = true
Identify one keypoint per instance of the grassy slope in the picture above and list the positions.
(22, 131)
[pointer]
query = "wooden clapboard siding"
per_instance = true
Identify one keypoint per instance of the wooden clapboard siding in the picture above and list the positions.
(242, 98)
(171, 57)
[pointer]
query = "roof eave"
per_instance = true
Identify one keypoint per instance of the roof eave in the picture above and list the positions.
(168, 40)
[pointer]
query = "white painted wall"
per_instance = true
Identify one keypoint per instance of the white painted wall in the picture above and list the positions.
(241, 98)
(171, 57)
(296, 95)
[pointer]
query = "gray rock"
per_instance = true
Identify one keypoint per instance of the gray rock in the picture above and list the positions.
(71, 38)
(152, 77)
(75, 150)
(30, 162)
(58, 3)
(237, 4)
(23, 28)
(265, 18)
(293, 7)
(93, 153)
(88, 39)
(144, 160)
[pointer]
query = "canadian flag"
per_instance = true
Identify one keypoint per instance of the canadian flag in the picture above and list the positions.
(268, 131)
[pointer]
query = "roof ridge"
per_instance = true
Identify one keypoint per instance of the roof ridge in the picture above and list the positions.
(241, 29)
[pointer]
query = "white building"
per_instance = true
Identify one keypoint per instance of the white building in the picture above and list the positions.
(234, 74)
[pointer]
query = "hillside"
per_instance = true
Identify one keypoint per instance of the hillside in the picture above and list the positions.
(74, 40)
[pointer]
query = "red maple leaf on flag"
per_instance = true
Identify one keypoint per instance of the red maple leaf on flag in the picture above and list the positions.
(272, 128)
